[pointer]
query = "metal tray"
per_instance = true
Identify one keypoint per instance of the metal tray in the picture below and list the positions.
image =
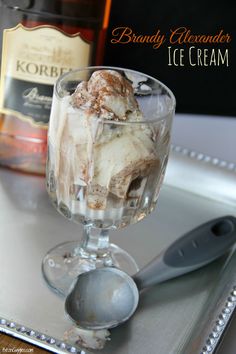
(185, 315)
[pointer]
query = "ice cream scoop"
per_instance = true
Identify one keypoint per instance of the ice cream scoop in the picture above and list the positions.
(106, 297)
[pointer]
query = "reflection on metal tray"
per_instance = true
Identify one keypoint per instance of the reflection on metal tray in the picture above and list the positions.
(185, 315)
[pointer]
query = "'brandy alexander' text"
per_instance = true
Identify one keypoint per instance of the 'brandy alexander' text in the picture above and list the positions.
(196, 54)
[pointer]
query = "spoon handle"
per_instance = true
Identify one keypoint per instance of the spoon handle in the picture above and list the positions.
(195, 249)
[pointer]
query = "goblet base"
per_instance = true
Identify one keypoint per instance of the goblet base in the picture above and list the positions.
(62, 264)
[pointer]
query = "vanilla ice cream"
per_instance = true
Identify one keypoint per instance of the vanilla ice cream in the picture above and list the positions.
(102, 164)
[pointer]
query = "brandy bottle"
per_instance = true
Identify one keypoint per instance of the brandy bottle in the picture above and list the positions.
(40, 40)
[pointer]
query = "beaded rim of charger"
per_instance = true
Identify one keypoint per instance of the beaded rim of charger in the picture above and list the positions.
(212, 339)
(230, 166)
(36, 337)
(220, 324)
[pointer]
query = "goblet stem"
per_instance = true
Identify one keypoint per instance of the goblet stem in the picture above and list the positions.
(96, 241)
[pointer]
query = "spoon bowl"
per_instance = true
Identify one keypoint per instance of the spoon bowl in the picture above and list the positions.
(116, 296)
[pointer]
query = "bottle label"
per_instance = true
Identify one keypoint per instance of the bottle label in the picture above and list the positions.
(32, 60)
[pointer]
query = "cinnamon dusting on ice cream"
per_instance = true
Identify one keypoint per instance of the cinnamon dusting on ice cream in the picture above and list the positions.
(108, 95)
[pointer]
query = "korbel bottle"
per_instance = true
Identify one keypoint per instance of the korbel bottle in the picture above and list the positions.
(40, 40)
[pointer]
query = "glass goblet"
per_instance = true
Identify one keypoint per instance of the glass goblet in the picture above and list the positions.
(105, 174)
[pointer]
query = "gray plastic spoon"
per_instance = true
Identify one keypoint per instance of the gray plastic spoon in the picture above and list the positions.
(106, 297)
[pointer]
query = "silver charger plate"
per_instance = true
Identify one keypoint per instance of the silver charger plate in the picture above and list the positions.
(182, 316)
